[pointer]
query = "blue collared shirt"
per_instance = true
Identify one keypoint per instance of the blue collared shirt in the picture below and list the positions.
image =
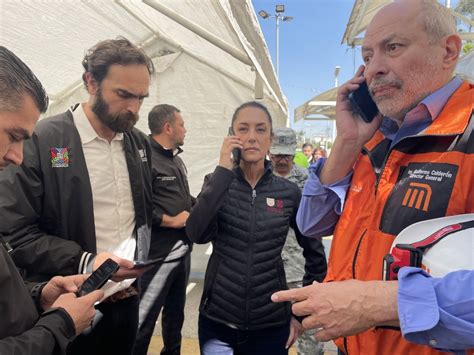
(321, 205)
(448, 324)
(438, 312)
(421, 116)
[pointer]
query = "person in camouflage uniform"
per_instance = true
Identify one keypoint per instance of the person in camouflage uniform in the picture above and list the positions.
(281, 154)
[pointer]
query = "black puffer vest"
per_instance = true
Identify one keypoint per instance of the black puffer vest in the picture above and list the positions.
(248, 231)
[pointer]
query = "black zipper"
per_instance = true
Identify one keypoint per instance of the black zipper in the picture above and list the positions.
(6, 245)
(345, 346)
(382, 167)
(250, 251)
(356, 253)
(250, 254)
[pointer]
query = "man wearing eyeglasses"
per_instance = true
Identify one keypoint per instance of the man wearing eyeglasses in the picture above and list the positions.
(281, 154)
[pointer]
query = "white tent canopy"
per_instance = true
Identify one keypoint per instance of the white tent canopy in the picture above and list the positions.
(362, 13)
(205, 82)
(322, 104)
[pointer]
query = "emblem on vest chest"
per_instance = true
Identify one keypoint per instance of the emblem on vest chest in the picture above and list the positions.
(274, 205)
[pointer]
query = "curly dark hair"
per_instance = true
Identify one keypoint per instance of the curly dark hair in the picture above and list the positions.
(113, 51)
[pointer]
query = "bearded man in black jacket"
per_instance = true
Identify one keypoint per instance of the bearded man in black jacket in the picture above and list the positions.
(83, 193)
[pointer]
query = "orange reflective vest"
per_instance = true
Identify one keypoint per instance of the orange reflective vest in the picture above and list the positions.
(426, 176)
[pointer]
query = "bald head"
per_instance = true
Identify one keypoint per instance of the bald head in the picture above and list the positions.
(410, 50)
(434, 19)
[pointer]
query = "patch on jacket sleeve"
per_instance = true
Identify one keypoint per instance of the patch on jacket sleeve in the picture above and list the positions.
(422, 192)
(59, 157)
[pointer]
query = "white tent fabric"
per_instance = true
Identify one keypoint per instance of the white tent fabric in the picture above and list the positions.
(361, 15)
(322, 104)
(202, 80)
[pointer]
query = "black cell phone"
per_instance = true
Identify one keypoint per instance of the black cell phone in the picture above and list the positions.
(363, 104)
(138, 264)
(236, 151)
(98, 278)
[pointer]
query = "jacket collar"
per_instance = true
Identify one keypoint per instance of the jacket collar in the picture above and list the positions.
(454, 116)
(268, 172)
(170, 153)
(452, 120)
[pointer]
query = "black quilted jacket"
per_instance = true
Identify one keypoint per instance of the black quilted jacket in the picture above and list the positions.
(248, 228)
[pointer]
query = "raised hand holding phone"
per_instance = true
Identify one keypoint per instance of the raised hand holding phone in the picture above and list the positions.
(351, 128)
(236, 152)
(363, 104)
(352, 132)
(230, 150)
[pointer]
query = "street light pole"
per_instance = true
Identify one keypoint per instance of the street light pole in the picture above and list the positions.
(278, 45)
(279, 10)
(336, 74)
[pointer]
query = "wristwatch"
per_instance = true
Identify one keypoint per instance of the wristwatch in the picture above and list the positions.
(35, 293)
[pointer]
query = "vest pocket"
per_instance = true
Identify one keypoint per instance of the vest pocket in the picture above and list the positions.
(422, 192)
(210, 279)
(281, 274)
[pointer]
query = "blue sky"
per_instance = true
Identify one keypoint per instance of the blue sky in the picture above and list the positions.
(310, 48)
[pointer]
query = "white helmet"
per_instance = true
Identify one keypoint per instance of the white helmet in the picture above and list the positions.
(439, 246)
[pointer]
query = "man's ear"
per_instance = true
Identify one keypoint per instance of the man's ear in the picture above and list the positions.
(452, 48)
(168, 129)
(92, 85)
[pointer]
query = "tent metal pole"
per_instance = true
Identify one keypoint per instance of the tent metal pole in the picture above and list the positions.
(59, 97)
(236, 53)
(136, 17)
(360, 15)
(182, 49)
(463, 18)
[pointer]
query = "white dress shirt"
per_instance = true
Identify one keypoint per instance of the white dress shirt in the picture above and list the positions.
(114, 212)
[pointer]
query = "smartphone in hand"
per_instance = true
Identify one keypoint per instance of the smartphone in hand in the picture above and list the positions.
(236, 151)
(363, 104)
(138, 264)
(98, 278)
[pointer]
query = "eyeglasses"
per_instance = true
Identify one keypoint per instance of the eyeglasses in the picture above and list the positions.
(279, 157)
